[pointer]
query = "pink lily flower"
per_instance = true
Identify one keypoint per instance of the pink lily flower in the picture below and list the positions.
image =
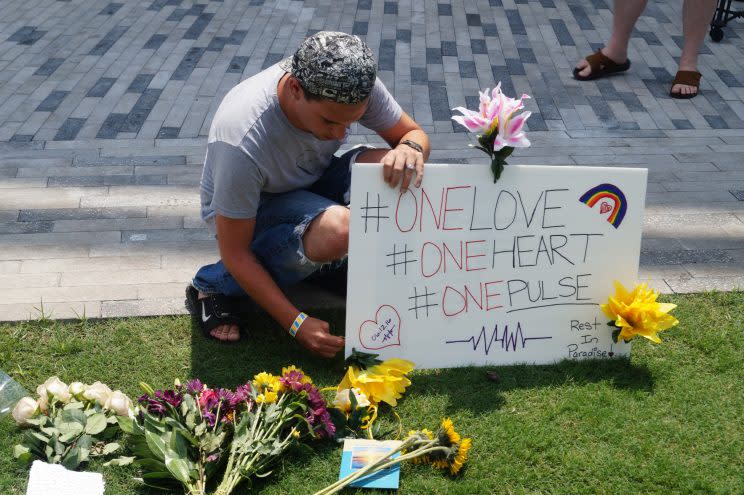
(497, 111)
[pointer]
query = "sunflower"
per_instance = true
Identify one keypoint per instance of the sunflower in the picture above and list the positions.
(638, 312)
(447, 434)
(459, 455)
(423, 435)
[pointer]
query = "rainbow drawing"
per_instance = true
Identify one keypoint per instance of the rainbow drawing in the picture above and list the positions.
(610, 192)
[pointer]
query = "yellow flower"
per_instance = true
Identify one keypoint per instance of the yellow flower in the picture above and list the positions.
(638, 312)
(447, 434)
(460, 455)
(384, 382)
(269, 397)
(422, 459)
(263, 382)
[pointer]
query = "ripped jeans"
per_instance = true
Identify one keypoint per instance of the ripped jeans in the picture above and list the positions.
(281, 221)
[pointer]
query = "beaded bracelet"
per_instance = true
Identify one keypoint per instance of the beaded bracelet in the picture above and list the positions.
(296, 324)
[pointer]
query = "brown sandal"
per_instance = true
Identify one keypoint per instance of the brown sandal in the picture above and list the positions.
(688, 78)
(601, 66)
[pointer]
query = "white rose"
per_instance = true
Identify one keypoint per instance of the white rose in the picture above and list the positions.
(98, 392)
(41, 391)
(343, 401)
(119, 403)
(77, 389)
(24, 410)
(58, 389)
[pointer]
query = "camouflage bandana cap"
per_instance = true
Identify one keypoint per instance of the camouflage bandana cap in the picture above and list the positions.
(336, 66)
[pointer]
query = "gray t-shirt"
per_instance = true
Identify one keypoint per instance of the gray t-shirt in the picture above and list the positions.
(253, 149)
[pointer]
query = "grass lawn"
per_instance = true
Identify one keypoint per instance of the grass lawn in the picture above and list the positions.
(669, 420)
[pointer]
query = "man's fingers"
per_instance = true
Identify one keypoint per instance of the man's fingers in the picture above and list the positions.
(408, 172)
(387, 167)
(400, 163)
(419, 169)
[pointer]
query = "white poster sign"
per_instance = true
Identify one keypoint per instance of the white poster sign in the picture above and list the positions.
(463, 271)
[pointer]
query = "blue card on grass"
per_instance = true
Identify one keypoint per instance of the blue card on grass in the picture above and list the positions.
(359, 453)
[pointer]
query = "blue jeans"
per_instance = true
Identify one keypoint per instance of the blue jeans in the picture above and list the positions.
(281, 221)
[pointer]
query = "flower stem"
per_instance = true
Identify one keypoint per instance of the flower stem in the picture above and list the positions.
(376, 466)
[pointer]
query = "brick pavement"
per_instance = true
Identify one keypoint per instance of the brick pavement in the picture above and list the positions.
(105, 108)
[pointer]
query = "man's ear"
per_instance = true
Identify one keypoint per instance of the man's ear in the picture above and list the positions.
(295, 89)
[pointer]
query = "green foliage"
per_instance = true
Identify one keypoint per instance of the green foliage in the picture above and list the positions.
(668, 420)
(68, 435)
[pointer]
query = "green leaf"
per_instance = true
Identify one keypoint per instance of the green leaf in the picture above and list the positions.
(179, 468)
(74, 405)
(96, 424)
(22, 453)
(39, 436)
(120, 461)
(110, 448)
(126, 424)
(155, 444)
(72, 416)
(497, 166)
(177, 444)
(151, 465)
(362, 360)
(213, 441)
(58, 446)
(72, 459)
(50, 430)
(69, 435)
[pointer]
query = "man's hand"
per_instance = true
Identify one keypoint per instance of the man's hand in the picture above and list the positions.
(400, 163)
(314, 335)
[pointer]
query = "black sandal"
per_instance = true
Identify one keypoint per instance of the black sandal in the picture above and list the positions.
(213, 311)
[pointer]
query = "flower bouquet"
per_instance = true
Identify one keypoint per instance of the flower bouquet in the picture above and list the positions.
(368, 382)
(445, 450)
(284, 410)
(186, 435)
(498, 124)
(69, 424)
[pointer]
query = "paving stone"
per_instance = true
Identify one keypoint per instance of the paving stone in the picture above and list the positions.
(108, 40)
(152, 307)
(432, 55)
(69, 129)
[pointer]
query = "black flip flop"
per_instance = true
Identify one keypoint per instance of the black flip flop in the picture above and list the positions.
(213, 311)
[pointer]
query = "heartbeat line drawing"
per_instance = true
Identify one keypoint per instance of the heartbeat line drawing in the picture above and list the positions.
(508, 340)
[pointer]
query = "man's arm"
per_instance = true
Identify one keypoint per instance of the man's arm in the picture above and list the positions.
(395, 159)
(234, 237)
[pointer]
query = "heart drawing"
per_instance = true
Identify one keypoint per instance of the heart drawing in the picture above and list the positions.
(383, 331)
(604, 207)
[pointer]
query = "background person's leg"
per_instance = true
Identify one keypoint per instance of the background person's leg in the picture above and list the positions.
(696, 17)
(624, 16)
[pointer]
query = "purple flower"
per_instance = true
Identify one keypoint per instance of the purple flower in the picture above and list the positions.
(293, 380)
(194, 386)
(242, 394)
(210, 418)
(169, 396)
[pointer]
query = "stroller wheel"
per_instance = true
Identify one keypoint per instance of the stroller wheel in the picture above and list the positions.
(716, 34)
